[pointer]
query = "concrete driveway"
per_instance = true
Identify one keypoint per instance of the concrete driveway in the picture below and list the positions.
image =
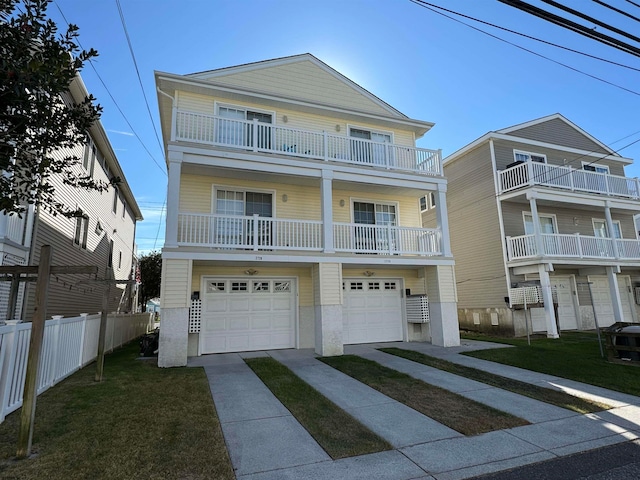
(266, 442)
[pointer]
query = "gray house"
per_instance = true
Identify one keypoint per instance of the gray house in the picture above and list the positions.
(542, 204)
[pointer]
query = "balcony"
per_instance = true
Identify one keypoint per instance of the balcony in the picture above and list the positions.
(267, 138)
(573, 246)
(273, 234)
(528, 174)
(12, 227)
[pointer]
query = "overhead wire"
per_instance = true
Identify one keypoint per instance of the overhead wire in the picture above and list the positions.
(621, 12)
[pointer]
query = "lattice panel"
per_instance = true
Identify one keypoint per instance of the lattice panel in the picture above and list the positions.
(195, 316)
(417, 309)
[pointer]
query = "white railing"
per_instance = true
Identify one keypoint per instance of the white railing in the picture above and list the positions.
(573, 246)
(68, 345)
(265, 137)
(386, 239)
(12, 227)
(567, 178)
(248, 232)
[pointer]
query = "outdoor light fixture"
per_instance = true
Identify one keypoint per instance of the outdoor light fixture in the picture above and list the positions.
(251, 271)
(285, 198)
(342, 203)
(368, 273)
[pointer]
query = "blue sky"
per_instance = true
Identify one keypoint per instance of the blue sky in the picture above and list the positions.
(425, 65)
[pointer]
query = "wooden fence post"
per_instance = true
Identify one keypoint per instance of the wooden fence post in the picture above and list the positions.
(103, 334)
(35, 344)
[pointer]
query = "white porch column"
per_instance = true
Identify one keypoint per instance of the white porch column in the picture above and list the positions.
(327, 289)
(610, 230)
(443, 307)
(547, 297)
(442, 219)
(173, 199)
(614, 289)
(536, 224)
(175, 290)
(326, 191)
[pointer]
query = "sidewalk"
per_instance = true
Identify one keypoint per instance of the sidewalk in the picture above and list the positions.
(266, 442)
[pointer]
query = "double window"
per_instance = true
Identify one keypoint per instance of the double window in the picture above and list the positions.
(593, 167)
(373, 237)
(547, 224)
(236, 127)
(601, 230)
(367, 146)
(428, 202)
(240, 231)
(529, 157)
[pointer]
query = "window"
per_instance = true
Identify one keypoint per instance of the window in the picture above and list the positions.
(82, 231)
(592, 167)
(374, 213)
(281, 287)
(424, 205)
(124, 209)
(370, 151)
(547, 224)
(356, 286)
(233, 128)
(428, 202)
(120, 259)
(114, 207)
(110, 259)
(238, 203)
(239, 286)
(374, 239)
(215, 287)
(600, 229)
(89, 158)
(260, 286)
(529, 157)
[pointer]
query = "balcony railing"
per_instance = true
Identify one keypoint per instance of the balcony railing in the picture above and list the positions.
(567, 178)
(264, 137)
(12, 227)
(265, 233)
(573, 246)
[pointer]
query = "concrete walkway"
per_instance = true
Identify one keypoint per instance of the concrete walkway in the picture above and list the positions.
(265, 442)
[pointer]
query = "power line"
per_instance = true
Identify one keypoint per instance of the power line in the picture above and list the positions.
(621, 12)
(424, 5)
(135, 63)
(159, 223)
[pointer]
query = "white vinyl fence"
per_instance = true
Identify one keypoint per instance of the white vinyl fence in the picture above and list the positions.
(68, 345)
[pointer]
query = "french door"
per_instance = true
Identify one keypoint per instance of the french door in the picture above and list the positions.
(233, 128)
(375, 236)
(240, 232)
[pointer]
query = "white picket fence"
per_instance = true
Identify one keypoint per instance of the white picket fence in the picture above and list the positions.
(68, 345)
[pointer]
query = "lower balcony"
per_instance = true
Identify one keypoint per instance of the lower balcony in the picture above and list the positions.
(573, 246)
(273, 234)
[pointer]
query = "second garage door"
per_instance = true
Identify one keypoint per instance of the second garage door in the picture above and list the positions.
(602, 299)
(372, 310)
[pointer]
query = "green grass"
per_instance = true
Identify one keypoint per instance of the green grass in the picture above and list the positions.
(554, 397)
(459, 413)
(140, 422)
(575, 355)
(336, 431)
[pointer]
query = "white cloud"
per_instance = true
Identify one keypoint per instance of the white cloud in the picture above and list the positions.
(128, 134)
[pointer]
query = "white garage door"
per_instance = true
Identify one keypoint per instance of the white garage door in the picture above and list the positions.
(567, 318)
(372, 311)
(240, 315)
(602, 299)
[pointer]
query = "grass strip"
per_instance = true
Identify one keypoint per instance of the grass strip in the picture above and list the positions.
(140, 422)
(575, 355)
(455, 411)
(554, 397)
(335, 430)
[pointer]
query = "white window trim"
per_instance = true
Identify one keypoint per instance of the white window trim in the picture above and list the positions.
(430, 202)
(372, 130)
(426, 202)
(541, 215)
(217, 105)
(598, 165)
(603, 220)
(83, 238)
(522, 152)
(215, 188)
(368, 200)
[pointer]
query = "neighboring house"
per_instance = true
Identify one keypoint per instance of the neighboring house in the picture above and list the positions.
(293, 214)
(542, 204)
(103, 236)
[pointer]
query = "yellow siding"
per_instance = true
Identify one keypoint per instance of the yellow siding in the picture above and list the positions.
(175, 288)
(302, 80)
(295, 119)
(305, 288)
(408, 207)
(327, 279)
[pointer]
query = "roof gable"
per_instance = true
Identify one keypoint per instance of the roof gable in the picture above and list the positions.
(557, 130)
(303, 77)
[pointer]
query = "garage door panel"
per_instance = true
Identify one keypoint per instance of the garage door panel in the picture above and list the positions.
(602, 299)
(243, 320)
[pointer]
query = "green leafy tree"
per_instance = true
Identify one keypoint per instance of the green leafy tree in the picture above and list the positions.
(37, 114)
(150, 275)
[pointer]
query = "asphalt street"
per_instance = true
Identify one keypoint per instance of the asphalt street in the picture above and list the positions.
(616, 462)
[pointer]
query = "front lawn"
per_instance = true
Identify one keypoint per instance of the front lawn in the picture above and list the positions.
(140, 422)
(455, 411)
(335, 430)
(575, 355)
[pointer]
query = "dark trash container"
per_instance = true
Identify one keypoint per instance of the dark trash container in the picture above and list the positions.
(623, 342)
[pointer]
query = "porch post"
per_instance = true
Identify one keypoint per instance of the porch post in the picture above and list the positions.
(616, 299)
(173, 199)
(612, 235)
(547, 297)
(442, 219)
(327, 286)
(326, 191)
(536, 223)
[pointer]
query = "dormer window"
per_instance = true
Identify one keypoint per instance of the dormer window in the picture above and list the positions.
(529, 157)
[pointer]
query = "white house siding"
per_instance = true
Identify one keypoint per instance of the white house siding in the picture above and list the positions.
(558, 132)
(71, 294)
(205, 104)
(301, 80)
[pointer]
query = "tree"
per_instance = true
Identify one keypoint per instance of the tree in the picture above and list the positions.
(39, 121)
(150, 275)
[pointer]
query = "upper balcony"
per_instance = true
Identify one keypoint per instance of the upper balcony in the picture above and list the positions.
(528, 174)
(12, 228)
(262, 137)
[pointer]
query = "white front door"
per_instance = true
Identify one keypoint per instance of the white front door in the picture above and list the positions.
(602, 299)
(244, 314)
(567, 317)
(372, 310)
